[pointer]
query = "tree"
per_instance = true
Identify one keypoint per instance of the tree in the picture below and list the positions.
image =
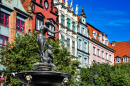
(117, 75)
(21, 55)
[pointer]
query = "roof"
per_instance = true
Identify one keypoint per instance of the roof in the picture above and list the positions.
(25, 4)
(122, 48)
(63, 1)
(91, 29)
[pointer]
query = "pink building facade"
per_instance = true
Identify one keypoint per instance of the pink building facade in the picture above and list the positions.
(100, 47)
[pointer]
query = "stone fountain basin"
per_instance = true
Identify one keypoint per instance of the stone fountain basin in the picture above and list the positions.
(43, 78)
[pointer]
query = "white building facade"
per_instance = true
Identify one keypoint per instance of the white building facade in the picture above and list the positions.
(68, 25)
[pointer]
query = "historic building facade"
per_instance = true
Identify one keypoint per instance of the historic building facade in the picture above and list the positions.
(13, 20)
(68, 25)
(100, 48)
(83, 41)
(42, 10)
(122, 54)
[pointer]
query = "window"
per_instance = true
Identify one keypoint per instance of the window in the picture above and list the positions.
(94, 51)
(85, 46)
(62, 19)
(102, 54)
(68, 23)
(39, 23)
(68, 44)
(62, 39)
(52, 29)
(73, 47)
(3, 42)
(94, 61)
(20, 25)
(79, 58)
(125, 59)
(85, 61)
(94, 34)
(4, 19)
(109, 57)
(41, 2)
(83, 30)
(106, 56)
(74, 27)
(80, 43)
(117, 60)
(106, 41)
(98, 52)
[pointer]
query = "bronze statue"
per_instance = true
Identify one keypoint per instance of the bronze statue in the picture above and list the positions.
(46, 57)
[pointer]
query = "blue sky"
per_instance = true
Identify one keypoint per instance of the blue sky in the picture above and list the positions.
(109, 16)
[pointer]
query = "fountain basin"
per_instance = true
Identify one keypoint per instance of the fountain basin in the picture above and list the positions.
(42, 78)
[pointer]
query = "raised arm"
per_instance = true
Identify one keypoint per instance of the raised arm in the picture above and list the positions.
(53, 31)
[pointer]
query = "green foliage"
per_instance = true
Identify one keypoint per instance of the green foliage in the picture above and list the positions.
(117, 75)
(21, 55)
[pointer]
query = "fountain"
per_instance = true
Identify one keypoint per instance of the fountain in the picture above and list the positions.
(43, 74)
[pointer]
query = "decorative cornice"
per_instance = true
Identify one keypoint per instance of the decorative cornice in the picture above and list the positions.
(83, 51)
(102, 45)
(66, 8)
(24, 14)
(37, 4)
(1, 5)
(54, 13)
(68, 29)
(83, 35)
(83, 23)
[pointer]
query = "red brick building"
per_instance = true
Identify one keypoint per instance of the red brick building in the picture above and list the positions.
(122, 53)
(42, 10)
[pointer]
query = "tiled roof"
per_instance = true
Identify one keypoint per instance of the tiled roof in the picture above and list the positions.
(25, 4)
(122, 48)
(78, 18)
(91, 29)
(63, 1)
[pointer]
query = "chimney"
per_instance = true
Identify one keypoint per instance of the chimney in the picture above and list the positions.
(113, 43)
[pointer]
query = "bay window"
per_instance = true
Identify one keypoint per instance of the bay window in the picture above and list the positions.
(20, 25)
(4, 19)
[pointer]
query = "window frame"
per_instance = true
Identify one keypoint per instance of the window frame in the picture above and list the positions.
(94, 50)
(68, 23)
(68, 44)
(4, 19)
(85, 46)
(80, 44)
(73, 47)
(117, 59)
(49, 33)
(102, 55)
(20, 25)
(37, 17)
(98, 52)
(74, 26)
(62, 19)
